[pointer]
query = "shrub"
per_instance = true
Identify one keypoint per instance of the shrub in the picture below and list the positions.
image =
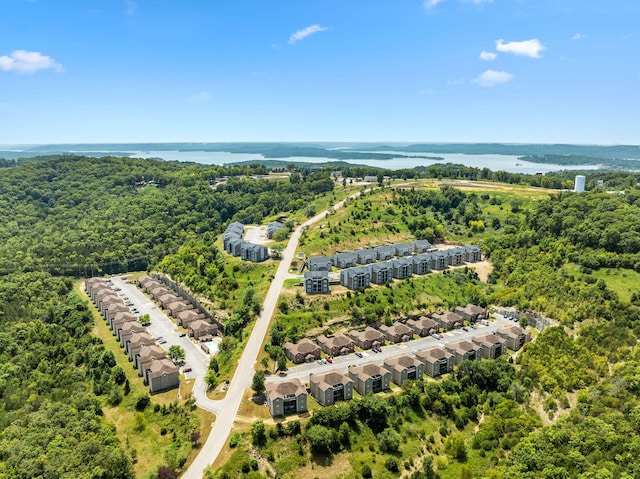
(391, 464)
(143, 402)
(389, 441)
(234, 440)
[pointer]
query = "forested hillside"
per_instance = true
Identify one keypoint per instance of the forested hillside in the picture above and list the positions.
(51, 423)
(81, 216)
(565, 407)
(87, 216)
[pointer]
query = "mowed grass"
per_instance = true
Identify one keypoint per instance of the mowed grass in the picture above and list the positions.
(141, 432)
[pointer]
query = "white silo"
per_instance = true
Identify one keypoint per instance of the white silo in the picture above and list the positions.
(579, 184)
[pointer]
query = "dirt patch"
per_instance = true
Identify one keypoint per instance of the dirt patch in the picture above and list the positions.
(255, 234)
(536, 402)
(483, 268)
(335, 466)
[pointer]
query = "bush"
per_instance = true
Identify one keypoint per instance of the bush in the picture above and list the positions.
(115, 397)
(391, 464)
(455, 447)
(143, 402)
(389, 441)
(234, 440)
(258, 434)
(366, 471)
(321, 439)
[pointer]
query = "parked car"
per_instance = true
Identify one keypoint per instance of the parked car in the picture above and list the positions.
(329, 359)
(319, 361)
(182, 335)
(473, 326)
(436, 335)
(465, 329)
(374, 350)
(359, 354)
(187, 370)
(162, 341)
(324, 361)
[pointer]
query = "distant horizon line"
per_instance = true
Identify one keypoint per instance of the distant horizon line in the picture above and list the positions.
(382, 142)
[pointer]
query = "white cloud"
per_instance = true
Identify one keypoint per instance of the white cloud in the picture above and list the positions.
(529, 48)
(488, 56)
(458, 82)
(492, 78)
(202, 97)
(429, 4)
(22, 61)
(578, 36)
(304, 33)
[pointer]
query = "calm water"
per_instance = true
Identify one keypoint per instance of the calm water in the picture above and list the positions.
(493, 162)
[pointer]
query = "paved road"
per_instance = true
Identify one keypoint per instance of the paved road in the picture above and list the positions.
(342, 363)
(244, 373)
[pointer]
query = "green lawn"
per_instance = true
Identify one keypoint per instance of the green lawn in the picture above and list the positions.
(624, 282)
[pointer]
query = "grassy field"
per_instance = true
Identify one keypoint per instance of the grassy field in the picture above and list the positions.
(324, 202)
(624, 282)
(374, 219)
(366, 221)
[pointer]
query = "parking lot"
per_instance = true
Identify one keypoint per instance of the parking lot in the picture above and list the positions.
(162, 328)
(342, 363)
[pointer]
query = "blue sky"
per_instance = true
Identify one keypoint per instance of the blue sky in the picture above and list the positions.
(332, 70)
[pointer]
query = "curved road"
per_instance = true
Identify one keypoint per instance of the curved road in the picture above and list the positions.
(227, 409)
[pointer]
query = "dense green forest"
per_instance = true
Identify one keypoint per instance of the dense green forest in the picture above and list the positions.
(566, 407)
(50, 371)
(81, 216)
(86, 216)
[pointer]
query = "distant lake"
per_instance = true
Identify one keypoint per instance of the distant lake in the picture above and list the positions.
(493, 162)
